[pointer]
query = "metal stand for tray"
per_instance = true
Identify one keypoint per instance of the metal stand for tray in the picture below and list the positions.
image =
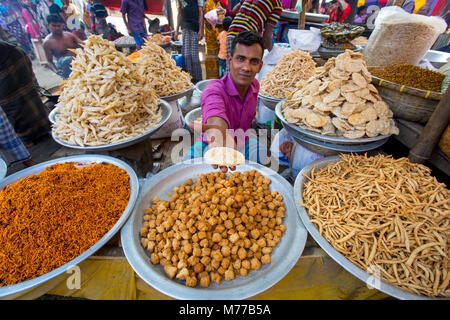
(138, 156)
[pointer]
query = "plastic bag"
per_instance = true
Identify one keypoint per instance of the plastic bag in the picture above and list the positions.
(270, 59)
(401, 37)
(212, 17)
(301, 157)
(306, 40)
(298, 6)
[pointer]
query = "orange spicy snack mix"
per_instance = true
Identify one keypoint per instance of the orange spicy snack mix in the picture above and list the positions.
(52, 217)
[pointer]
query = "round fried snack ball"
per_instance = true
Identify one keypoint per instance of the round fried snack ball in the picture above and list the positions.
(215, 229)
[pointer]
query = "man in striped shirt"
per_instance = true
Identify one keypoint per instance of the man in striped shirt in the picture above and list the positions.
(255, 15)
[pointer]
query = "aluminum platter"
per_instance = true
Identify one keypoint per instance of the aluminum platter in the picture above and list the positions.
(330, 250)
(297, 132)
(82, 159)
(180, 95)
(166, 111)
(310, 17)
(269, 102)
(284, 256)
(328, 149)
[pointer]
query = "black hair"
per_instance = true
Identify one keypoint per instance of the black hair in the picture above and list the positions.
(247, 38)
(360, 9)
(54, 18)
(226, 23)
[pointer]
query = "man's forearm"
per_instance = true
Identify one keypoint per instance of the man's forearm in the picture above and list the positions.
(267, 36)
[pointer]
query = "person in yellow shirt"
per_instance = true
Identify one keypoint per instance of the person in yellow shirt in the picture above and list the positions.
(222, 38)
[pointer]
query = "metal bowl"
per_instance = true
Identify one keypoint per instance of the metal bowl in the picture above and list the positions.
(329, 249)
(437, 58)
(299, 133)
(193, 115)
(284, 256)
(269, 102)
(166, 112)
(180, 95)
(83, 159)
(201, 85)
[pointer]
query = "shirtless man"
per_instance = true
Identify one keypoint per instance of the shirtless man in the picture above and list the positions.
(57, 43)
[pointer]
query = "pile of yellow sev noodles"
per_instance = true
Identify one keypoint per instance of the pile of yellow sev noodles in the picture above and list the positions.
(388, 216)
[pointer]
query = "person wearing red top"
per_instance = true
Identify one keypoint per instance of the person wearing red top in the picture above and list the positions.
(345, 10)
(340, 9)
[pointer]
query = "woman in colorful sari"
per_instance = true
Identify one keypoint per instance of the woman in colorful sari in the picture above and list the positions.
(211, 43)
(11, 12)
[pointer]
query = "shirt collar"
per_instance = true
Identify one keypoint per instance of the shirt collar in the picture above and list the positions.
(231, 88)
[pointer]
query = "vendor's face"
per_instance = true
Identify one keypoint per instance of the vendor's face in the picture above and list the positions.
(56, 28)
(245, 63)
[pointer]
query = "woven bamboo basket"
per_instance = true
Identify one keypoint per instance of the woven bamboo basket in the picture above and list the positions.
(407, 103)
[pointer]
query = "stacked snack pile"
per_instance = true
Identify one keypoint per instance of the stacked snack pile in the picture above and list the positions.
(339, 100)
(218, 228)
(291, 68)
(160, 71)
(104, 100)
(388, 216)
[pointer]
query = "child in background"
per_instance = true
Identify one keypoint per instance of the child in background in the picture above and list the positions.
(222, 38)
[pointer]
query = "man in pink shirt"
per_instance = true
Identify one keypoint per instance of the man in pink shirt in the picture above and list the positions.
(229, 104)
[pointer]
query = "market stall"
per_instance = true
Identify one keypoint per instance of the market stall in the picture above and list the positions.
(354, 224)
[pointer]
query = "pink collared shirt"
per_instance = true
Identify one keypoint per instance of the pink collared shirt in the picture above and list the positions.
(221, 99)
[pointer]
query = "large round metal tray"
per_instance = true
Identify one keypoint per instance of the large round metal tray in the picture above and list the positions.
(269, 102)
(329, 249)
(284, 256)
(310, 17)
(328, 149)
(166, 111)
(82, 159)
(180, 95)
(299, 133)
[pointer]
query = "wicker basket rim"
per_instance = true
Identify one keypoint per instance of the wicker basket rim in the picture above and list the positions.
(427, 94)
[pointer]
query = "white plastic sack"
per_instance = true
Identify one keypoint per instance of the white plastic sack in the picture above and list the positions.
(301, 157)
(264, 114)
(306, 40)
(175, 121)
(212, 17)
(401, 37)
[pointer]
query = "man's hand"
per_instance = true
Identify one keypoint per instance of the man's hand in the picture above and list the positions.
(216, 136)
(175, 36)
(199, 35)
